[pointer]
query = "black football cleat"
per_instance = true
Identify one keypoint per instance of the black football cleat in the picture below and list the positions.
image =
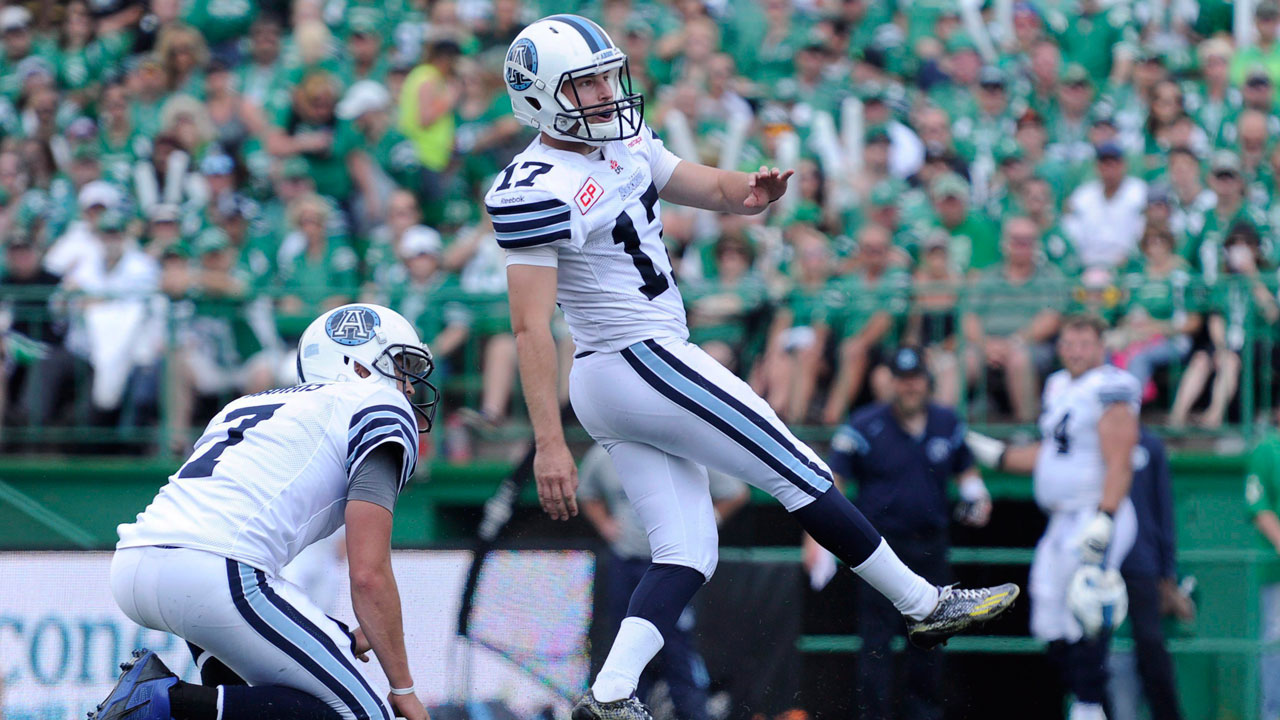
(959, 610)
(588, 708)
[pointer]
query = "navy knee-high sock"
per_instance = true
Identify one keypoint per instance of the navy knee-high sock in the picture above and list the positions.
(241, 702)
(839, 527)
(663, 593)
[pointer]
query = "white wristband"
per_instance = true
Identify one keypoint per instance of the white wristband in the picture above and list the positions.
(403, 691)
(973, 489)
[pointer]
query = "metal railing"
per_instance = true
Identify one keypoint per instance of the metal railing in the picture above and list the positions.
(65, 392)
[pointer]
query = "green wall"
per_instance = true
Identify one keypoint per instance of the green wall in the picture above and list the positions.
(66, 504)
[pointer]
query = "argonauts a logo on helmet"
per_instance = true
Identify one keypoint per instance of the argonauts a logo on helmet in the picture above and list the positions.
(524, 55)
(352, 326)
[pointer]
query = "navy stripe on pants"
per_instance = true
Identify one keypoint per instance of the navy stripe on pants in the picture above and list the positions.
(778, 465)
(321, 636)
(239, 596)
(733, 402)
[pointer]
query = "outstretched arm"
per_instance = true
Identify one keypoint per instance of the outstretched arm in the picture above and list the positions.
(725, 191)
(995, 454)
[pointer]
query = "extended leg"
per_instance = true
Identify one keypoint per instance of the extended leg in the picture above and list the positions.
(1190, 387)
(1087, 675)
(692, 407)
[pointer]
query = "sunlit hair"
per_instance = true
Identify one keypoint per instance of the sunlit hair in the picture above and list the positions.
(310, 202)
(179, 105)
(1085, 321)
(169, 38)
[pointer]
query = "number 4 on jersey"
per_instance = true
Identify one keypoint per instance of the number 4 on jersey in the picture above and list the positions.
(1060, 437)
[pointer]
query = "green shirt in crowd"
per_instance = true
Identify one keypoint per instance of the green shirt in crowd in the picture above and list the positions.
(1204, 249)
(747, 296)
(432, 305)
(974, 245)
(221, 20)
(1004, 307)
(313, 280)
(328, 168)
(1262, 485)
(1247, 58)
(861, 298)
(1161, 298)
(1091, 39)
(479, 166)
(81, 67)
(117, 158)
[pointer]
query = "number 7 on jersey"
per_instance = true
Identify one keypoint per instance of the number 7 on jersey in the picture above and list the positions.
(248, 417)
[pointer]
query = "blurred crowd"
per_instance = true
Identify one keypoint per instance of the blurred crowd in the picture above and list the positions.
(184, 185)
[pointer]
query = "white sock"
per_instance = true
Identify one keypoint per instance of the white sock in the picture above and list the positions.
(1086, 711)
(636, 644)
(911, 594)
(219, 702)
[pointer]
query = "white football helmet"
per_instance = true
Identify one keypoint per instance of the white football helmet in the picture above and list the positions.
(1097, 598)
(559, 49)
(378, 338)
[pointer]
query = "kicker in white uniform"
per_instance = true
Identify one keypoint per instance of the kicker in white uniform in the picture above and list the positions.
(578, 213)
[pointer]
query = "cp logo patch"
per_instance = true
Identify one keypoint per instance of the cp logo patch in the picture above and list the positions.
(352, 326)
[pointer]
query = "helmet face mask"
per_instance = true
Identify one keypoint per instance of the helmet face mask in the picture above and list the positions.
(542, 70)
(622, 115)
(409, 366)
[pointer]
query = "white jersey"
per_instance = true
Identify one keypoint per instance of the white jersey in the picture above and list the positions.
(1069, 469)
(269, 476)
(596, 218)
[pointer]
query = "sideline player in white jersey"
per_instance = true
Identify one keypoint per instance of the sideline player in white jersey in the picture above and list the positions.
(578, 214)
(273, 473)
(1081, 469)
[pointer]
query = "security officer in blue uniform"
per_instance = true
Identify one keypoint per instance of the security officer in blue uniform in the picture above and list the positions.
(1150, 576)
(902, 455)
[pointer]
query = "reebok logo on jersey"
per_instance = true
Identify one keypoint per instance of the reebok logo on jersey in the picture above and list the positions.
(634, 141)
(587, 195)
(617, 169)
(633, 182)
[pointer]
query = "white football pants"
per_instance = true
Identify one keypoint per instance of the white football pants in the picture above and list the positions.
(666, 411)
(264, 629)
(1056, 561)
